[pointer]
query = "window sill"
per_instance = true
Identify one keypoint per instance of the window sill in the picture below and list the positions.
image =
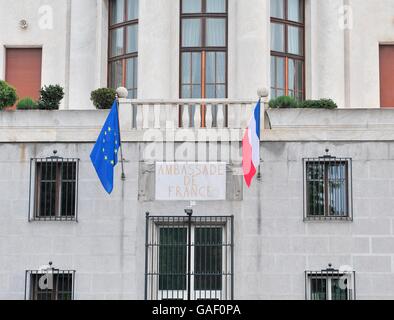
(54, 219)
(327, 218)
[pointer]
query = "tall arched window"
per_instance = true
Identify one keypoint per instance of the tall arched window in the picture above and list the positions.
(287, 48)
(203, 49)
(123, 45)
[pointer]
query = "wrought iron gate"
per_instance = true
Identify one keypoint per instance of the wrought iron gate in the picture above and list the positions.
(189, 258)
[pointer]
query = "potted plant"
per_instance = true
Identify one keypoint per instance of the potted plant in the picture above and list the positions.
(50, 97)
(103, 98)
(8, 95)
(26, 104)
(290, 102)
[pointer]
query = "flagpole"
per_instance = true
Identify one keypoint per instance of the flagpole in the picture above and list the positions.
(258, 177)
(123, 176)
(262, 126)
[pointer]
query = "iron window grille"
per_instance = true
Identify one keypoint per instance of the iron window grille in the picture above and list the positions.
(49, 283)
(53, 194)
(330, 284)
(189, 258)
(327, 188)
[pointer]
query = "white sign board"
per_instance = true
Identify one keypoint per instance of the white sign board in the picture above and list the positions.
(190, 181)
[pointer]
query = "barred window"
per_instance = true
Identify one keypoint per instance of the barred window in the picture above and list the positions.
(53, 188)
(189, 259)
(327, 188)
(49, 284)
(330, 284)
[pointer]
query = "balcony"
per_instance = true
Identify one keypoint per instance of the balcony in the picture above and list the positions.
(187, 113)
(198, 120)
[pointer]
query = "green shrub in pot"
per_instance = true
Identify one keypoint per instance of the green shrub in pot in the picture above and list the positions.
(8, 95)
(103, 98)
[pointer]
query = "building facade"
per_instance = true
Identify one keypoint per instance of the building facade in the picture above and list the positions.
(317, 222)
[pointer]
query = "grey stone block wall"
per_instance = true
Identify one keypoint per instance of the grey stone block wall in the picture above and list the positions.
(273, 245)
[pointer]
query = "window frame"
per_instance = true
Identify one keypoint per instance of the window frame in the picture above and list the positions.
(35, 189)
(329, 275)
(286, 55)
(124, 57)
(152, 257)
(166, 294)
(203, 49)
(327, 160)
(32, 276)
(383, 87)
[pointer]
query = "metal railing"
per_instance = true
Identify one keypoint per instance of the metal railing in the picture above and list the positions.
(327, 188)
(190, 113)
(330, 284)
(53, 193)
(49, 283)
(189, 258)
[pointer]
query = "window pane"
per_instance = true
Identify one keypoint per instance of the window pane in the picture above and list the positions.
(131, 73)
(47, 174)
(186, 67)
(196, 91)
(295, 42)
(36, 292)
(216, 32)
(116, 72)
(210, 67)
(210, 91)
(117, 11)
(172, 259)
(291, 74)
(196, 67)
(63, 286)
(116, 42)
(220, 67)
(273, 72)
(191, 6)
(208, 259)
(191, 32)
(315, 188)
(280, 76)
(186, 92)
(300, 76)
(295, 10)
(277, 9)
(216, 6)
(220, 91)
(277, 37)
(132, 38)
(318, 289)
(68, 189)
(132, 9)
(338, 289)
(278, 72)
(337, 189)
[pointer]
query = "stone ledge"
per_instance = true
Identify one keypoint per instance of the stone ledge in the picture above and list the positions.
(286, 125)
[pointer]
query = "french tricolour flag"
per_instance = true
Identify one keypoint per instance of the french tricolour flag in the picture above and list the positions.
(251, 146)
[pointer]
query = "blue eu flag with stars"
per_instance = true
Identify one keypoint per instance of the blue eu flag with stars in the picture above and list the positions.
(104, 155)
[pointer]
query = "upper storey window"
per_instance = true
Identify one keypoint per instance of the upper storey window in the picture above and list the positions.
(123, 45)
(287, 48)
(203, 49)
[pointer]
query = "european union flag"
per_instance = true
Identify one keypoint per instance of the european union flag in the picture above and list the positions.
(104, 155)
